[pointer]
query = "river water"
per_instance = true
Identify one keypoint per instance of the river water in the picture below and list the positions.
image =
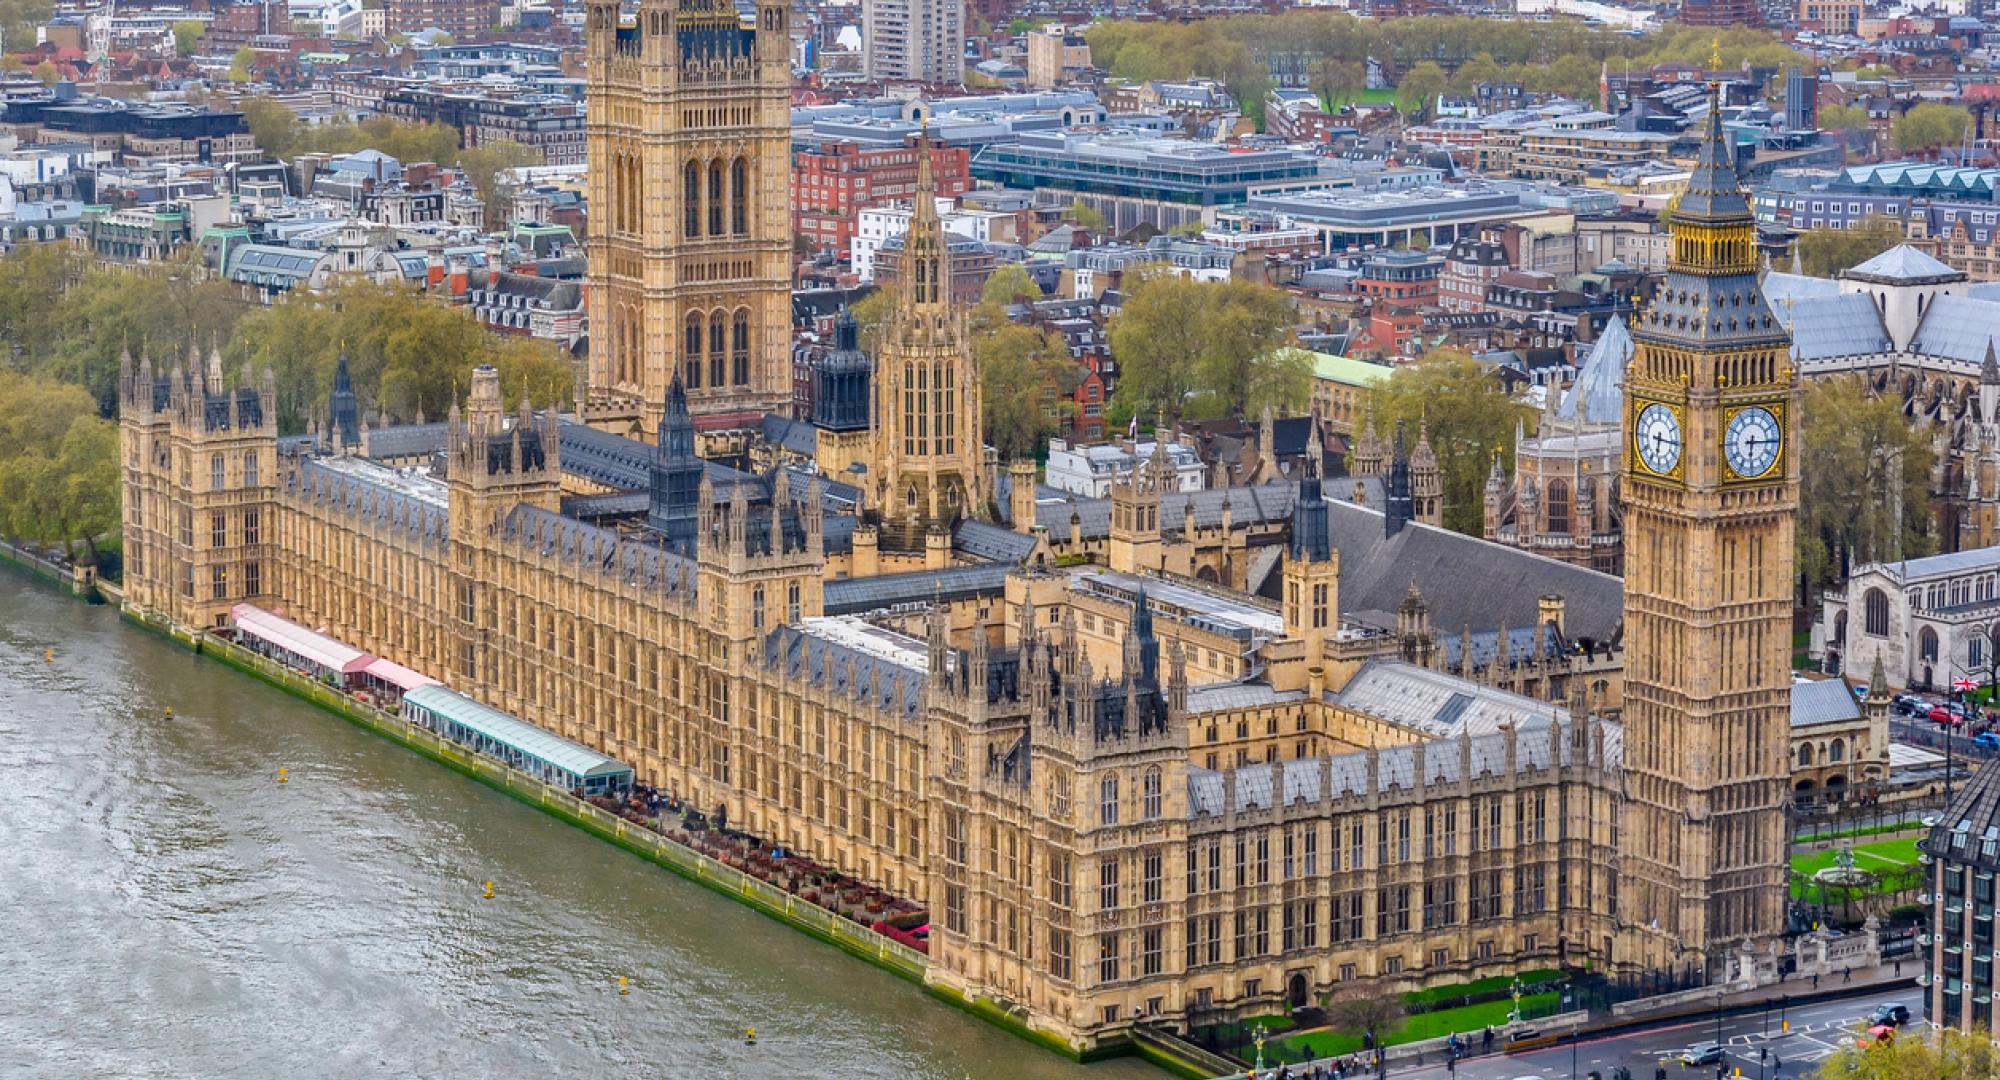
(169, 909)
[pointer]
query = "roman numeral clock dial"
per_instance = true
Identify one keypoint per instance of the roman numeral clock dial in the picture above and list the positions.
(1752, 442)
(1656, 439)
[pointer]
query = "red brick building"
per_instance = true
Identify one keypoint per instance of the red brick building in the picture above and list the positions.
(834, 182)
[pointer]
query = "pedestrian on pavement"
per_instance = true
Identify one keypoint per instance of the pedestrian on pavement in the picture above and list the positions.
(1899, 969)
(1815, 980)
(1486, 1041)
(1847, 974)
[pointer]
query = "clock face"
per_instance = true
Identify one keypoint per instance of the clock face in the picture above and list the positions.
(1752, 441)
(1656, 437)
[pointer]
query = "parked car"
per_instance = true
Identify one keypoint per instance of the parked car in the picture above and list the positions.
(1941, 715)
(1702, 1054)
(1909, 704)
(1987, 740)
(1891, 1013)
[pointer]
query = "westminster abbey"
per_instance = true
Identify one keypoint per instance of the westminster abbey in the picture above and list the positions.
(1153, 758)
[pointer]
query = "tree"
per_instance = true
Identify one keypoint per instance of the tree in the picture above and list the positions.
(483, 165)
(1175, 336)
(1027, 374)
(1914, 1055)
(1826, 252)
(408, 355)
(1470, 417)
(1843, 118)
(59, 478)
(187, 36)
(164, 308)
(240, 64)
(1930, 125)
(273, 124)
(1474, 72)
(1338, 82)
(1417, 91)
(1085, 216)
(1010, 284)
(1365, 1012)
(870, 312)
(1861, 459)
(1254, 364)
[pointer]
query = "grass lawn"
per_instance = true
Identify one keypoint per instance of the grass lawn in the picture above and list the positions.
(1430, 1025)
(1863, 830)
(1881, 855)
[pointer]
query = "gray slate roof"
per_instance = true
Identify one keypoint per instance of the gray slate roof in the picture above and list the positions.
(1904, 264)
(1439, 704)
(1265, 503)
(1823, 701)
(851, 596)
(1957, 327)
(1464, 580)
(853, 672)
(1835, 324)
(1600, 387)
(1268, 785)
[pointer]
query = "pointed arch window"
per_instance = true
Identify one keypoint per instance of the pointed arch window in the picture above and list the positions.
(1559, 507)
(715, 198)
(718, 341)
(739, 348)
(691, 352)
(739, 197)
(691, 199)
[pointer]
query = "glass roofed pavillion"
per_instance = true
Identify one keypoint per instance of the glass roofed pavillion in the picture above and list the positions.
(487, 730)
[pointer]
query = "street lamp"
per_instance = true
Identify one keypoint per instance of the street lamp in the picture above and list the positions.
(1720, 1058)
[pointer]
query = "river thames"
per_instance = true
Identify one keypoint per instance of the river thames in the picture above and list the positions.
(169, 909)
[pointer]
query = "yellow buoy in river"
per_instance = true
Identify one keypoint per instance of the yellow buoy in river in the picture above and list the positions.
(489, 890)
(283, 775)
(750, 1036)
(624, 985)
(48, 656)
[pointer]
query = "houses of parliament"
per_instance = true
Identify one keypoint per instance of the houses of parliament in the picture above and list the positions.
(1160, 757)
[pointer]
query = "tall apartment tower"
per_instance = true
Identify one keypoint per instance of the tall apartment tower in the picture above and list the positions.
(1711, 489)
(914, 40)
(690, 246)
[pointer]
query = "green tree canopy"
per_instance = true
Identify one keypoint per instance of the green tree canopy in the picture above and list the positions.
(1417, 91)
(1843, 118)
(1027, 375)
(1916, 1054)
(1826, 252)
(1009, 285)
(408, 355)
(59, 479)
(483, 165)
(187, 36)
(1860, 459)
(1470, 418)
(1207, 348)
(1929, 126)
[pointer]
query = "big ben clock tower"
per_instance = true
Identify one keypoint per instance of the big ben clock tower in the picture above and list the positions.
(1711, 488)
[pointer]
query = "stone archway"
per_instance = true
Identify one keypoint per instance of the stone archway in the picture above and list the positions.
(1297, 993)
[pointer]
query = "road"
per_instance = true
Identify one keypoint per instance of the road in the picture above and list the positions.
(1816, 1030)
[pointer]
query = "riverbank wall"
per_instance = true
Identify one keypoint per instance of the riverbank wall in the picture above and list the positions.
(79, 581)
(854, 939)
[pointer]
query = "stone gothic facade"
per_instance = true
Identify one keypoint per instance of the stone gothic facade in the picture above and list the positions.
(690, 237)
(1128, 792)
